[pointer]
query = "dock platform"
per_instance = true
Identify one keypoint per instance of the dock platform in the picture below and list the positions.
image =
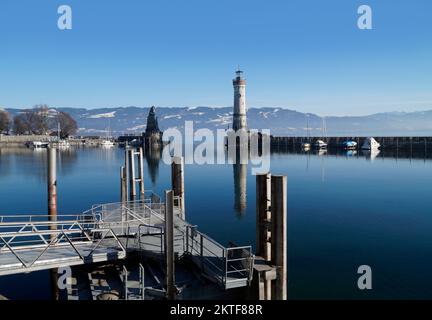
(111, 232)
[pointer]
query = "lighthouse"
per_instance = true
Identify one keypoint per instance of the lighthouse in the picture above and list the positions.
(239, 116)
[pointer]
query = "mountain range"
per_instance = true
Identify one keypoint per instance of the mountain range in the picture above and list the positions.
(280, 121)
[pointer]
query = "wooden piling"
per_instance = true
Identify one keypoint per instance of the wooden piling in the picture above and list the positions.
(279, 235)
(177, 182)
(169, 245)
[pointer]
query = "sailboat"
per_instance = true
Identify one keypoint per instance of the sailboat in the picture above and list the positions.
(370, 144)
(306, 145)
(107, 142)
(320, 143)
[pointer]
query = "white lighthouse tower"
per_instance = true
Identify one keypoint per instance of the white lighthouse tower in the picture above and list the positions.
(239, 116)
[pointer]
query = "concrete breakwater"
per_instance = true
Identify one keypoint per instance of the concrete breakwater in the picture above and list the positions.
(407, 143)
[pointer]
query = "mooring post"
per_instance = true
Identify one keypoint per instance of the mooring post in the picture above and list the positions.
(52, 211)
(126, 167)
(52, 186)
(123, 191)
(263, 216)
(141, 172)
(132, 180)
(123, 196)
(279, 235)
(177, 182)
(263, 231)
(169, 245)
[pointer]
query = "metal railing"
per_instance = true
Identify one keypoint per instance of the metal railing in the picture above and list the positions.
(32, 234)
(160, 232)
(226, 265)
(141, 282)
(140, 218)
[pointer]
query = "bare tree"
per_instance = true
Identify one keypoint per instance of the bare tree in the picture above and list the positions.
(19, 125)
(40, 121)
(4, 121)
(68, 125)
(33, 121)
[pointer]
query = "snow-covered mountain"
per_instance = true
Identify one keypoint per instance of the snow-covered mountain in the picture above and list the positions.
(281, 121)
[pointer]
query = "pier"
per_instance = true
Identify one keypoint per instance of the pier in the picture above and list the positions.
(109, 232)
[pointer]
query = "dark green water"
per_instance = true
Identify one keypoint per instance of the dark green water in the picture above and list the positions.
(344, 211)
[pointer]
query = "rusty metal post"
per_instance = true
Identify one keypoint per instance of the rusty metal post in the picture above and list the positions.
(279, 235)
(52, 211)
(177, 182)
(169, 245)
(123, 183)
(52, 185)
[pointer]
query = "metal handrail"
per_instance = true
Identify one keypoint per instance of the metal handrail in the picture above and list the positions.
(55, 241)
(155, 227)
(43, 218)
(198, 248)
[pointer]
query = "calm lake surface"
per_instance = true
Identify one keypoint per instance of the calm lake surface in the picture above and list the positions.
(344, 210)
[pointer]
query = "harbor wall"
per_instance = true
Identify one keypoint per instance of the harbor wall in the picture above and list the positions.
(417, 143)
(21, 139)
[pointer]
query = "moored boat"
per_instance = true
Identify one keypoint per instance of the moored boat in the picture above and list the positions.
(320, 144)
(106, 143)
(37, 144)
(306, 146)
(370, 144)
(349, 145)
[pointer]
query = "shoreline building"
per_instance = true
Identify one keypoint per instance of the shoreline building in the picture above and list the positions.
(239, 115)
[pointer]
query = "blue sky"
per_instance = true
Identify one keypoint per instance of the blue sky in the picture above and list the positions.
(305, 55)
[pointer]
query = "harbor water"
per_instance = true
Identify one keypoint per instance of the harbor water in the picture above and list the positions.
(345, 209)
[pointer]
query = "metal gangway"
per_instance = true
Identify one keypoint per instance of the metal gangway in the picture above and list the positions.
(35, 242)
(108, 232)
